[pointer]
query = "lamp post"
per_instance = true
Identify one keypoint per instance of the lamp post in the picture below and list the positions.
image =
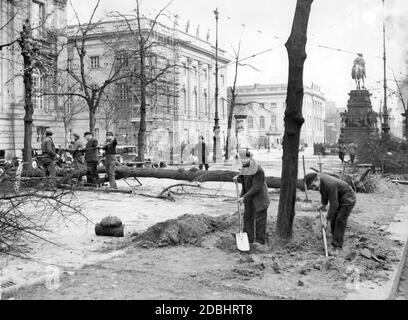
(385, 125)
(216, 120)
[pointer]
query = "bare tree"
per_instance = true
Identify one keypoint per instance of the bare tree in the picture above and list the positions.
(27, 211)
(151, 77)
(83, 83)
(232, 102)
(293, 119)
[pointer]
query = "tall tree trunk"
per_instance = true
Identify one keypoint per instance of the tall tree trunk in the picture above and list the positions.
(293, 119)
(232, 105)
(229, 126)
(92, 120)
(142, 126)
(28, 103)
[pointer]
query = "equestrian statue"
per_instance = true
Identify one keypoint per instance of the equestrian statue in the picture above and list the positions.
(358, 72)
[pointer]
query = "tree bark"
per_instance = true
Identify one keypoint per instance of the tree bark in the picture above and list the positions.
(92, 120)
(26, 53)
(293, 119)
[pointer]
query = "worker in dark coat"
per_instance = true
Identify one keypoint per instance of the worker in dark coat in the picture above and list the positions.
(341, 198)
(255, 197)
(48, 155)
(110, 158)
(91, 158)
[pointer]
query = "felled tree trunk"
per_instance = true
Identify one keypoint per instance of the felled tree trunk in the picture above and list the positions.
(293, 119)
(180, 174)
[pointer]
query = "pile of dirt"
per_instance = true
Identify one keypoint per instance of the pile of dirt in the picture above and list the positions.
(187, 229)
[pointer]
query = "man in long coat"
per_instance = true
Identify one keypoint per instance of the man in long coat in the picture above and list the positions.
(255, 197)
(202, 152)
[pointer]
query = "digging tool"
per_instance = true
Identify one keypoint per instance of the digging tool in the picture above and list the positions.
(323, 234)
(241, 237)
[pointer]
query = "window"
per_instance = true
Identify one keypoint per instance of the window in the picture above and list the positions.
(123, 95)
(184, 68)
(95, 62)
(38, 88)
(250, 122)
(205, 74)
(122, 60)
(69, 64)
(223, 107)
(97, 133)
(222, 80)
(262, 122)
(37, 17)
(273, 105)
(273, 121)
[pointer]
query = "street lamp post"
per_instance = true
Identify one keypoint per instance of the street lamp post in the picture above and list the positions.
(216, 120)
(385, 125)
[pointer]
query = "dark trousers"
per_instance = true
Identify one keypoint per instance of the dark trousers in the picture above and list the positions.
(200, 166)
(339, 223)
(92, 173)
(255, 224)
(110, 161)
(50, 171)
(341, 156)
(352, 156)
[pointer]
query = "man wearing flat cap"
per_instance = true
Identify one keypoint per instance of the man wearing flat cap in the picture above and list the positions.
(48, 155)
(255, 197)
(91, 158)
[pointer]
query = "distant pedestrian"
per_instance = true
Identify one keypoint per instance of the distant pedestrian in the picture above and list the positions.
(352, 149)
(255, 197)
(342, 151)
(110, 158)
(341, 198)
(91, 158)
(49, 155)
(202, 152)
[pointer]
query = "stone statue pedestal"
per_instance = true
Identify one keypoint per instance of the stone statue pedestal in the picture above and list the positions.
(359, 121)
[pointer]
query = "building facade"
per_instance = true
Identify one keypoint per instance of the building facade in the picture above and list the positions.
(180, 103)
(41, 14)
(264, 106)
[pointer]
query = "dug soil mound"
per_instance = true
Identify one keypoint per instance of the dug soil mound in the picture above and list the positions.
(187, 229)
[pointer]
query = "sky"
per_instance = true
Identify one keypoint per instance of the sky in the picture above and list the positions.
(346, 26)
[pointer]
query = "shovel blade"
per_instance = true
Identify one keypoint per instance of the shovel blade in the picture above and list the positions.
(242, 241)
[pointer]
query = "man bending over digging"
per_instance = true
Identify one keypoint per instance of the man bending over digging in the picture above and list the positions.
(341, 198)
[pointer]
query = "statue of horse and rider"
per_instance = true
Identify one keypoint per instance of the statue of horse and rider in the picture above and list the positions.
(358, 72)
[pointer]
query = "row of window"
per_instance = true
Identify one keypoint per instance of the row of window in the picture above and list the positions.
(261, 122)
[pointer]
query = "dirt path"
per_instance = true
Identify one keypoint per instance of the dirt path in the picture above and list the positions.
(214, 269)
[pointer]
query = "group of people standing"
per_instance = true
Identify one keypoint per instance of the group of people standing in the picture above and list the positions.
(83, 155)
(351, 148)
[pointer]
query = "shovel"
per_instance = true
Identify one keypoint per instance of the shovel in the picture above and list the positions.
(323, 234)
(241, 237)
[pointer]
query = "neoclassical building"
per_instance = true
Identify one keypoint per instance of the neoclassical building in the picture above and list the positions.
(180, 104)
(264, 105)
(41, 14)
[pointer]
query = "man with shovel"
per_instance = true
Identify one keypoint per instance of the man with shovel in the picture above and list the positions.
(341, 198)
(255, 197)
